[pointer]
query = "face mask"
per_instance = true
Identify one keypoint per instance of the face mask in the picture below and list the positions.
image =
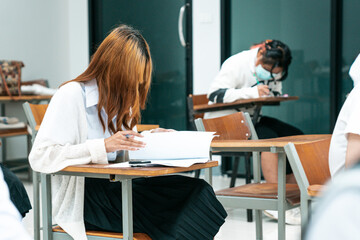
(264, 74)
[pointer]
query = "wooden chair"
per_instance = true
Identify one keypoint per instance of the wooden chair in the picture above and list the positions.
(35, 114)
(310, 164)
(200, 99)
(193, 100)
(257, 195)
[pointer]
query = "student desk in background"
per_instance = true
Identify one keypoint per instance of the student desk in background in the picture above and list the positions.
(242, 103)
(251, 102)
(5, 133)
(274, 145)
(124, 175)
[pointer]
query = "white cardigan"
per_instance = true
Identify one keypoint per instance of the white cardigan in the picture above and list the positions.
(61, 142)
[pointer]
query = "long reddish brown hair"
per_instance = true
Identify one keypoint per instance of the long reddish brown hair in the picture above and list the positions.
(122, 67)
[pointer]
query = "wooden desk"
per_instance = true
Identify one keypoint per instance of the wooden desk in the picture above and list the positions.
(242, 103)
(24, 98)
(274, 145)
(257, 102)
(264, 145)
(124, 175)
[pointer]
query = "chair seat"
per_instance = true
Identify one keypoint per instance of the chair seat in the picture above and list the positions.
(315, 190)
(137, 236)
(263, 190)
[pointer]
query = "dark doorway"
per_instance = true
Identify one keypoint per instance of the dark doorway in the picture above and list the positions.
(158, 21)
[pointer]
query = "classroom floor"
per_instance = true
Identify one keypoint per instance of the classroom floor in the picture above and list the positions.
(235, 227)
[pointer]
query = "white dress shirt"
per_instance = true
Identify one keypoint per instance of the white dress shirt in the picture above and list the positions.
(347, 122)
(354, 71)
(95, 129)
(11, 227)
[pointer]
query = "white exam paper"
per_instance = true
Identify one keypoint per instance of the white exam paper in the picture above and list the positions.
(174, 145)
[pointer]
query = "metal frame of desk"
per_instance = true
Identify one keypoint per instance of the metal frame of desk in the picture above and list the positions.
(275, 145)
(113, 174)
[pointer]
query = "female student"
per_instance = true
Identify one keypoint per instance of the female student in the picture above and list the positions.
(89, 120)
(254, 73)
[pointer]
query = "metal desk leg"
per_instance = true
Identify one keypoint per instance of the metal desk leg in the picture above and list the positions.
(127, 209)
(257, 179)
(281, 194)
(36, 205)
(46, 203)
(208, 175)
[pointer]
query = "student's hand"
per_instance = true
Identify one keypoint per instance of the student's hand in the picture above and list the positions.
(263, 90)
(123, 140)
(157, 130)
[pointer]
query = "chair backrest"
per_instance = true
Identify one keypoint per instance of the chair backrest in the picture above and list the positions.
(193, 100)
(236, 126)
(309, 162)
(34, 114)
(230, 127)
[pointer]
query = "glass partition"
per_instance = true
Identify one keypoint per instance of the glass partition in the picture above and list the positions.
(351, 43)
(305, 27)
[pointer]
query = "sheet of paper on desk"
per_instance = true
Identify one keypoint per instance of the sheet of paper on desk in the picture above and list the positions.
(169, 163)
(174, 145)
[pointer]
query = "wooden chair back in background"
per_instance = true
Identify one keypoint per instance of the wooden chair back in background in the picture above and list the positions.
(34, 114)
(146, 127)
(229, 127)
(193, 100)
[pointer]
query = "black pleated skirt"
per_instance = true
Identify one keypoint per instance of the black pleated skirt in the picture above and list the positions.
(165, 208)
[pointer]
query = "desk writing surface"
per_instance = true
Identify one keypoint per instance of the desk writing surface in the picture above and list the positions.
(24, 98)
(267, 143)
(242, 103)
(136, 171)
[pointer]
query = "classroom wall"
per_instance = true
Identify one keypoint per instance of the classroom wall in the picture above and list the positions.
(206, 43)
(51, 38)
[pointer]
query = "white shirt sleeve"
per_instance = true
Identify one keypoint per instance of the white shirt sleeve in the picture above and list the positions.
(354, 71)
(353, 125)
(60, 141)
(231, 79)
(11, 227)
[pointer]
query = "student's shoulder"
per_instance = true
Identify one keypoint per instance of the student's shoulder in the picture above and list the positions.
(242, 57)
(71, 91)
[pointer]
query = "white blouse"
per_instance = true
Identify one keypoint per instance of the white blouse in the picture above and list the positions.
(347, 122)
(69, 135)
